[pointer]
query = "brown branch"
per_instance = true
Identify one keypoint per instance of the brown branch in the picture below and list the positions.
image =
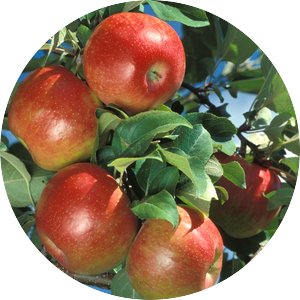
(102, 280)
(199, 92)
(291, 179)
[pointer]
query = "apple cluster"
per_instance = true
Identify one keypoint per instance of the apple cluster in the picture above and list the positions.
(84, 218)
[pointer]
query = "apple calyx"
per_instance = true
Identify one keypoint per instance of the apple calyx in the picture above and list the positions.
(155, 76)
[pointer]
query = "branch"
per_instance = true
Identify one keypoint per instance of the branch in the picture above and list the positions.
(102, 280)
(203, 99)
(291, 179)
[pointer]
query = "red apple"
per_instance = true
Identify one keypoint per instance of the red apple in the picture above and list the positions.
(53, 114)
(164, 262)
(84, 219)
(245, 213)
(134, 61)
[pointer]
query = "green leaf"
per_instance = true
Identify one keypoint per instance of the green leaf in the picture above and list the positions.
(164, 108)
(159, 206)
(16, 180)
(218, 127)
(194, 142)
(251, 85)
(280, 197)
(184, 14)
(197, 189)
(134, 135)
(154, 176)
(27, 220)
(4, 143)
(266, 65)
(292, 144)
(129, 6)
(234, 173)
(272, 227)
(36, 63)
(200, 46)
(5, 119)
(218, 93)
(83, 33)
(107, 122)
(73, 26)
(166, 179)
(276, 127)
(273, 94)
(39, 179)
(116, 8)
(35, 239)
(181, 161)
(39, 176)
(263, 118)
(198, 196)
(147, 172)
(227, 147)
(237, 47)
(214, 169)
(62, 34)
(105, 155)
(230, 267)
(122, 163)
(222, 193)
(121, 286)
(292, 163)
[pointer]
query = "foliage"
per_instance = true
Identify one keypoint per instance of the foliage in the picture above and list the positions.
(165, 156)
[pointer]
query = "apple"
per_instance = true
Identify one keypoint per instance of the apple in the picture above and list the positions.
(164, 262)
(245, 213)
(84, 219)
(53, 115)
(135, 61)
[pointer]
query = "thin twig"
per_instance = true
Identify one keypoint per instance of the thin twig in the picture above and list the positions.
(203, 99)
(285, 175)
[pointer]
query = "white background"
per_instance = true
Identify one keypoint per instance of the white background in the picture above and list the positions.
(25, 26)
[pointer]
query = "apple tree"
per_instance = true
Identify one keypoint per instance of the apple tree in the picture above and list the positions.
(167, 155)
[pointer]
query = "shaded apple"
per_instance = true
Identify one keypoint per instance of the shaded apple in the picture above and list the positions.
(164, 262)
(134, 61)
(84, 219)
(245, 213)
(53, 114)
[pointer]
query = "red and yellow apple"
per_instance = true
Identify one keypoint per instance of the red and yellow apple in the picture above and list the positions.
(164, 262)
(245, 213)
(53, 115)
(135, 61)
(84, 219)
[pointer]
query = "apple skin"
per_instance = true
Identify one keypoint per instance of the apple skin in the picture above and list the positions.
(84, 219)
(134, 61)
(164, 262)
(245, 213)
(53, 115)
